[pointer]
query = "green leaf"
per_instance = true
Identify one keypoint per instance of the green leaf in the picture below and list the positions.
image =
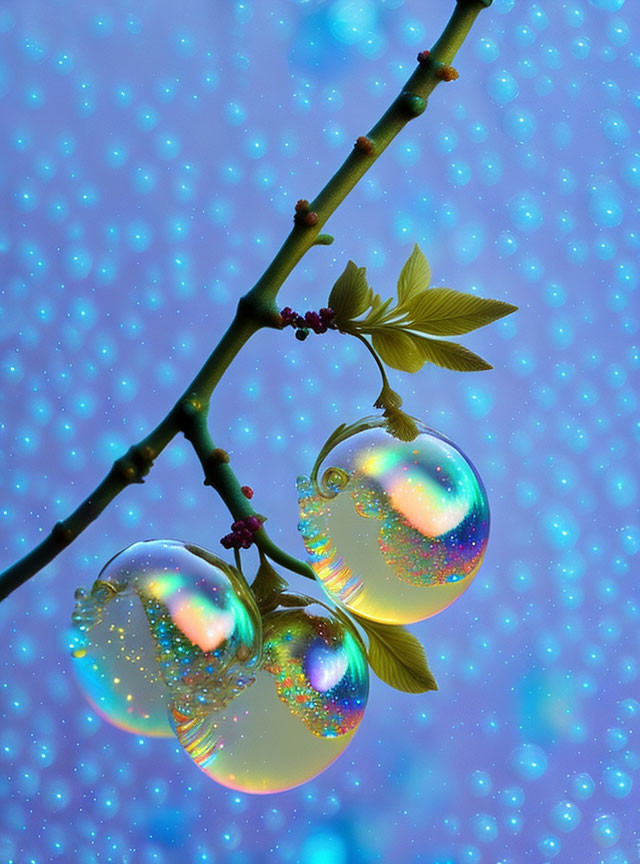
(398, 349)
(388, 398)
(414, 277)
(401, 425)
(267, 586)
(377, 312)
(397, 657)
(351, 294)
(295, 600)
(450, 355)
(445, 312)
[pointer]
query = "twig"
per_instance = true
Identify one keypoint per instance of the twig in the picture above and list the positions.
(256, 310)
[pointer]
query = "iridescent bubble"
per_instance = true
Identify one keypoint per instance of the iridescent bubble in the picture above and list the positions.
(395, 530)
(164, 621)
(296, 716)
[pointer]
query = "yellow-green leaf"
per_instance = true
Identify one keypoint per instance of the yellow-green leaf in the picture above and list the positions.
(377, 313)
(402, 426)
(445, 312)
(414, 277)
(267, 586)
(350, 295)
(450, 355)
(388, 398)
(397, 657)
(398, 349)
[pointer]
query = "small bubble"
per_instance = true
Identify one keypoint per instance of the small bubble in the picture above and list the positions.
(550, 846)
(566, 816)
(606, 830)
(480, 783)
(617, 783)
(529, 761)
(503, 87)
(484, 827)
(520, 124)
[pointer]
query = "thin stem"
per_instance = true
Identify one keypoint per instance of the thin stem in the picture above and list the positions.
(219, 474)
(256, 310)
(273, 551)
(381, 369)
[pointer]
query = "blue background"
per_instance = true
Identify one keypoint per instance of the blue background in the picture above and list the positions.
(151, 155)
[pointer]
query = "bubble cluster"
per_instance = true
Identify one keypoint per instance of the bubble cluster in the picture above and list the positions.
(170, 639)
(395, 531)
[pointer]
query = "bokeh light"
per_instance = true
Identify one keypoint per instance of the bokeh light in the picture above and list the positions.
(98, 338)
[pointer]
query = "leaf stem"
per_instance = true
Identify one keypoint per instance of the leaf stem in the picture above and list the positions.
(256, 310)
(370, 349)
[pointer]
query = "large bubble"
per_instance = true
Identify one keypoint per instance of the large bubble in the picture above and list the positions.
(165, 623)
(395, 531)
(298, 714)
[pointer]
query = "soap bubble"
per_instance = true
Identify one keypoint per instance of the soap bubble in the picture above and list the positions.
(298, 714)
(164, 621)
(395, 531)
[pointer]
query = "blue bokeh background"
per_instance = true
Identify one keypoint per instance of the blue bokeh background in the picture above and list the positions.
(151, 154)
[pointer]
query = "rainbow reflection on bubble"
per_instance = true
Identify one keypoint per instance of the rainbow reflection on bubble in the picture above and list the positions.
(298, 714)
(395, 531)
(165, 623)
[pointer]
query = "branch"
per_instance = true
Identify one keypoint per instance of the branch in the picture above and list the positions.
(219, 474)
(257, 309)
(133, 466)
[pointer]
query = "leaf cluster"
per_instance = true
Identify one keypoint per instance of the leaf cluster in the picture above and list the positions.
(406, 332)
